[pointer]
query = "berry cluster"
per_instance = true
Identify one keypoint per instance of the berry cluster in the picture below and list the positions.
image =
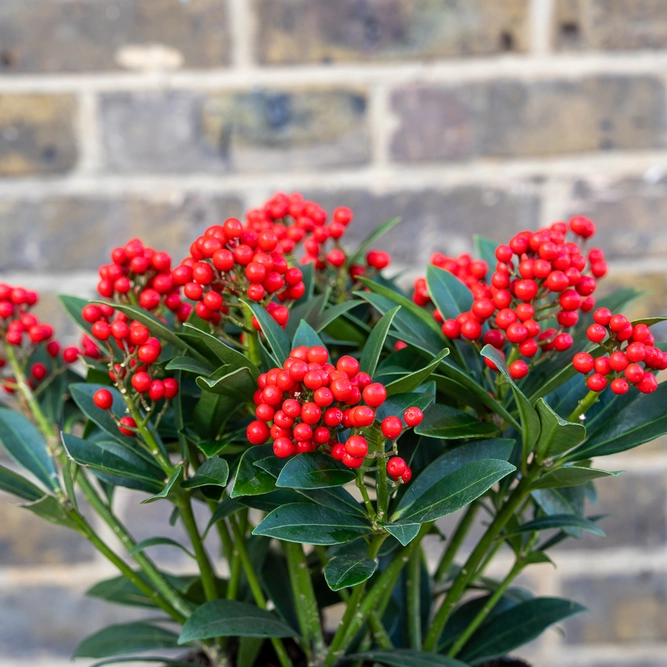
(539, 276)
(628, 346)
(140, 275)
(309, 401)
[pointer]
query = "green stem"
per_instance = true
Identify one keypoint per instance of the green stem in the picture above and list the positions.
(456, 541)
(382, 489)
(486, 609)
(234, 561)
(149, 438)
(251, 338)
(364, 494)
(413, 591)
(583, 406)
(469, 570)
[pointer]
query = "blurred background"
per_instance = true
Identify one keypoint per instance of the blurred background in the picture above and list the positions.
(158, 118)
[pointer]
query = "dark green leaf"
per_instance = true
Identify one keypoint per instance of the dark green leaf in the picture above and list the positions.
(311, 524)
(189, 365)
(120, 590)
(73, 305)
(450, 296)
(335, 497)
(27, 447)
(530, 422)
(276, 337)
(556, 521)
(403, 532)
(230, 618)
(82, 393)
(159, 541)
(127, 638)
(345, 571)
(485, 249)
(365, 245)
(19, 486)
(571, 476)
(334, 313)
(410, 382)
(213, 472)
(175, 478)
(313, 471)
(397, 404)
(375, 343)
(448, 423)
(273, 465)
(226, 507)
(556, 434)
(251, 480)
(52, 510)
(212, 412)
(238, 384)
(306, 335)
(401, 657)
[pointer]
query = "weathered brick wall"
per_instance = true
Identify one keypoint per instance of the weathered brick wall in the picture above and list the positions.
(156, 118)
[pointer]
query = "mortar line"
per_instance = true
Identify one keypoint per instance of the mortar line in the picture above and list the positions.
(541, 18)
(242, 31)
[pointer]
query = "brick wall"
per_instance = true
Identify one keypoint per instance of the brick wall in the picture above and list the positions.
(156, 118)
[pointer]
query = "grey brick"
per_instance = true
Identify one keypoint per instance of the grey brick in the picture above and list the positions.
(303, 31)
(517, 119)
(79, 35)
(227, 132)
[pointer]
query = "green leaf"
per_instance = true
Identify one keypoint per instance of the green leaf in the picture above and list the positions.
(251, 480)
(238, 384)
(448, 423)
(113, 458)
(313, 471)
(330, 315)
(410, 382)
(311, 524)
(159, 541)
(345, 571)
(50, 509)
(365, 245)
(457, 490)
(517, 626)
(402, 657)
(375, 343)
(335, 497)
(645, 419)
(306, 335)
(451, 461)
(226, 507)
(403, 532)
(73, 305)
(450, 296)
(571, 476)
(27, 447)
(557, 521)
(126, 638)
(213, 472)
(212, 412)
(189, 365)
(230, 618)
(120, 590)
(530, 422)
(82, 393)
(485, 249)
(276, 337)
(19, 486)
(175, 478)
(556, 434)
(397, 404)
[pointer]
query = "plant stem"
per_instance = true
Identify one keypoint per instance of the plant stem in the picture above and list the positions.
(364, 494)
(486, 609)
(469, 570)
(583, 406)
(456, 541)
(382, 490)
(413, 591)
(251, 338)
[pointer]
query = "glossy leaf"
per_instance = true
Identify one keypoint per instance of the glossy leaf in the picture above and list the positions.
(516, 627)
(366, 244)
(450, 296)
(159, 541)
(401, 657)
(397, 404)
(306, 335)
(456, 490)
(230, 618)
(212, 412)
(313, 471)
(189, 365)
(410, 382)
(335, 497)
(571, 476)
(126, 638)
(73, 305)
(451, 461)
(558, 521)
(213, 472)
(276, 337)
(556, 434)
(82, 393)
(50, 509)
(174, 480)
(345, 571)
(375, 344)
(238, 384)
(251, 480)
(448, 423)
(120, 590)
(485, 249)
(13, 483)
(26, 446)
(311, 524)
(403, 532)
(226, 507)
(530, 422)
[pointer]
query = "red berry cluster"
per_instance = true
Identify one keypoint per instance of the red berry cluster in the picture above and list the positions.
(140, 275)
(470, 271)
(539, 275)
(229, 262)
(308, 401)
(628, 346)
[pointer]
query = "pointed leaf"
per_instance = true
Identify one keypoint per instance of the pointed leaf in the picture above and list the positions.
(403, 532)
(450, 296)
(313, 471)
(226, 507)
(159, 541)
(174, 480)
(126, 638)
(213, 472)
(276, 337)
(397, 404)
(189, 365)
(52, 510)
(239, 383)
(375, 343)
(556, 521)
(448, 423)
(230, 618)
(365, 245)
(306, 335)
(19, 486)
(571, 476)
(330, 315)
(335, 497)
(251, 480)
(82, 393)
(410, 382)
(485, 249)
(556, 434)
(345, 571)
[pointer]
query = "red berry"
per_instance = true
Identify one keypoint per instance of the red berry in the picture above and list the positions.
(318, 355)
(618, 361)
(396, 466)
(570, 300)
(70, 354)
(126, 426)
(634, 373)
(471, 329)
(557, 281)
(618, 323)
(583, 362)
(311, 413)
(505, 317)
(103, 399)
(596, 382)
(303, 432)
(619, 386)
(338, 451)
(518, 369)
(596, 333)
(602, 366)
(91, 313)
(363, 416)
(374, 394)
(149, 353)
(529, 348)
(636, 351)
(283, 448)
(413, 416)
(526, 290)
(516, 333)
(333, 417)
(101, 330)
(392, 427)
(348, 365)
(38, 371)
(257, 432)
(351, 461)
(562, 342)
(602, 316)
(141, 382)
(356, 446)
(451, 328)
(406, 476)
(648, 385)
(156, 390)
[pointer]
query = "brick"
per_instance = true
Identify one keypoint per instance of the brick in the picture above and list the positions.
(629, 213)
(433, 220)
(26, 539)
(37, 134)
(609, 25)
(236, 132)
(519, 119)
(50, 620)
(303, 31)
(79, 35)
(78, 233)
(622, 608)
(635, 505)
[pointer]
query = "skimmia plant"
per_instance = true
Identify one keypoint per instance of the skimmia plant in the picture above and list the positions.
(322, 420)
